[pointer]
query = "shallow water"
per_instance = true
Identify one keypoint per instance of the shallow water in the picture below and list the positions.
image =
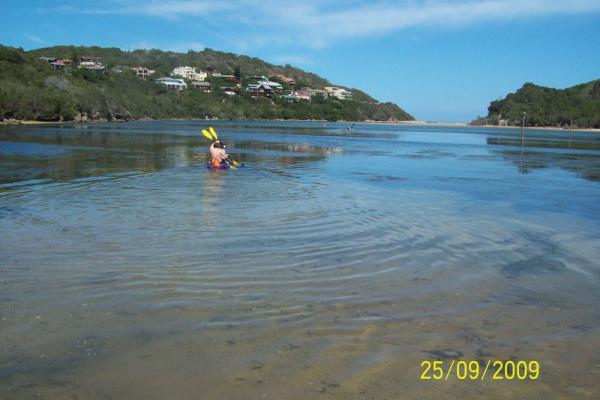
(329, 266)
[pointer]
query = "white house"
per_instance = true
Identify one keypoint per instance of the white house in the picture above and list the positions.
(171, 83)
(340, 93)
(93, 63)
(271, 84)
(189, 73)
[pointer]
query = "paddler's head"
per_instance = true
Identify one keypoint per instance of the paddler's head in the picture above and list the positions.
(219, 144)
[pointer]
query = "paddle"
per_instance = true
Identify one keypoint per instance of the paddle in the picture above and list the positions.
(211, 135)
(207, 135)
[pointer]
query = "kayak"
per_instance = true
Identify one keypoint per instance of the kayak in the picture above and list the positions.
(223, 165)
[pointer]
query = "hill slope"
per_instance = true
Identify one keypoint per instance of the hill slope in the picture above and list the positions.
(30, 88)
(577, 106)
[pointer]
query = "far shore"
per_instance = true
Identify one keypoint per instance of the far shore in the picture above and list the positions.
(465, 125)
(12, 122)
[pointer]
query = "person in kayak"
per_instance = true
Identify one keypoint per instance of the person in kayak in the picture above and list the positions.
(218, 155)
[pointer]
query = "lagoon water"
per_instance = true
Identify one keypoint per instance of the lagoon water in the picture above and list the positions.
(328, 267)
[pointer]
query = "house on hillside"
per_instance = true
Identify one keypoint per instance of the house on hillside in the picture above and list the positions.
(189, 73)
(273, 85)
(297, 96)
(60, 63)
(202, 86)
(92, 63)
(172, 83)
(57, 62)
(228, 78)
(339, 93)
(315, 92)
(284, 79)
(259, 90)
(143, 72)
(233, 79)
(303, 94)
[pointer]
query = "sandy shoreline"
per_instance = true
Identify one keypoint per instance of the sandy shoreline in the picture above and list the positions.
(465, 125)
(13, 122)
(412, 123)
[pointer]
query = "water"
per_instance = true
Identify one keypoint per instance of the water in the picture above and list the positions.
(329, 266)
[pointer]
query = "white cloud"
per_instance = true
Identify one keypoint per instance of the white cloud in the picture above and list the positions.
(169, 9)
(317, 28)
(36, 39)
(320, 23)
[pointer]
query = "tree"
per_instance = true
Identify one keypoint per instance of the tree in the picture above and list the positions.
(237, 73)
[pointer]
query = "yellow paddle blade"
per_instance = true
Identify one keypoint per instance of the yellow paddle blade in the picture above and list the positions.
(206, 134)
(213, 133)
(235, 163)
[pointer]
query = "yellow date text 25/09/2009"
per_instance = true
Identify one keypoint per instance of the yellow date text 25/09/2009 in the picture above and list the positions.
(464, 370)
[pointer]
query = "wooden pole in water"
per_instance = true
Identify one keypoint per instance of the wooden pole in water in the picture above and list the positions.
(571, 133)
(521, 170)
(523, 130)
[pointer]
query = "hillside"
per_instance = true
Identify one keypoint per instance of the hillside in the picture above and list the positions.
(32, 89)
(577, 106)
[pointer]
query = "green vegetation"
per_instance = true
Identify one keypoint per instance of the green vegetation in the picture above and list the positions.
(577, 107)
(31, 89)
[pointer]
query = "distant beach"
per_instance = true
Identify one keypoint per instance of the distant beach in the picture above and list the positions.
(12, 122)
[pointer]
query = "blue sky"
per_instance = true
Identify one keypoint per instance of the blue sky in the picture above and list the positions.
(439, 60)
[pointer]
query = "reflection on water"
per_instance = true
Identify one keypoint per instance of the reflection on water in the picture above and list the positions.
(576, 152)
(71, 152)
(330, 265)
